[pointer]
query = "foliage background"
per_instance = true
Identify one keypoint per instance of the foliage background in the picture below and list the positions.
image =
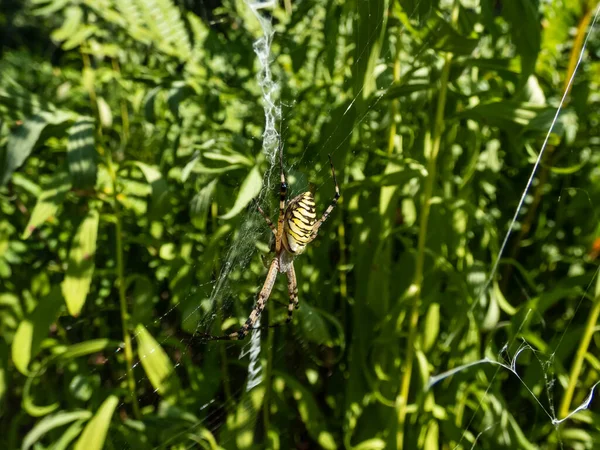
(130, 149)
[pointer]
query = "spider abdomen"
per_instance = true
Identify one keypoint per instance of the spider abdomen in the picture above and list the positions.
(300, 218)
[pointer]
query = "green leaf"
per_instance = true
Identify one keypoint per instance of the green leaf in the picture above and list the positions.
(248, 191)
(82, 255)
(157, 365)
(309, 411)
(81, 153)
(34, 329)
(527, 39)
(200, 205)
(160, 188)
(94, 433)
(22, 141)
(64, 442)
(51, 422)
(86, 348)
(503, 113)
(48, 202)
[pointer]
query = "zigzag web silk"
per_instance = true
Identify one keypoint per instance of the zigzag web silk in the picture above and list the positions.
(241, 251)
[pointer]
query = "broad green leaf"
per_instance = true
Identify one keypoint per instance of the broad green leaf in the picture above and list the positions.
(157, 365)
(248, 191)
(22, 141)
(160, 188)
(34, 329)
(82, 255)
(309, 411)
(48, 202)
(94, 433)
(81, 153)
(51, 422)
(73, 17)
(200, 204)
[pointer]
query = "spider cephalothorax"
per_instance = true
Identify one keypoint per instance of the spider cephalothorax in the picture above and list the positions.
(297, 226)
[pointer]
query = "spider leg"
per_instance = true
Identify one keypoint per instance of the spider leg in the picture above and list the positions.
(271, 226)
(282, 196)
(325, 215)
(263, 296)
(293, 290)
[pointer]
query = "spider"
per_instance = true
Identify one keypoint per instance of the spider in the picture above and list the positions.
(297, 226)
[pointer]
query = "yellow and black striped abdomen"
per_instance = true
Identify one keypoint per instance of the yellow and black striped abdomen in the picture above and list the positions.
(300, 217)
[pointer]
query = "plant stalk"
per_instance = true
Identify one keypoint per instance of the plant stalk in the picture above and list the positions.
(582, 350)
(415, 289)
(122, 297)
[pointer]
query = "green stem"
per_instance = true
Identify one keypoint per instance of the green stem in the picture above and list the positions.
(432, 147)
(582, 350)
(122, 296)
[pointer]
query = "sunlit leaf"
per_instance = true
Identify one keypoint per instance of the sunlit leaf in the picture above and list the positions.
(94, 433)
(82, 255)
(51, 422)
(157, 365)
(34, 329)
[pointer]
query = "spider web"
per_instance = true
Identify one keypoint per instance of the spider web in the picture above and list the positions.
(242, 250)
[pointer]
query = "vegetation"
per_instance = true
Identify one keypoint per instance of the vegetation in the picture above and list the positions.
(131, 163)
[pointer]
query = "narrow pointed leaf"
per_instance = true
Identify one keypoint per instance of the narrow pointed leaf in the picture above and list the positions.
(94, 434)
(249, 190)
(157, 365)
(49, 423)
(48, 202)
(81, 153)
(77, 282)
(32, 330)
(200, 204)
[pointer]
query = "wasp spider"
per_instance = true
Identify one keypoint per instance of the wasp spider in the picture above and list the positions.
(297, 226)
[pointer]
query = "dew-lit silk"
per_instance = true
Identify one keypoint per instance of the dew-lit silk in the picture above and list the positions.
(300, 217)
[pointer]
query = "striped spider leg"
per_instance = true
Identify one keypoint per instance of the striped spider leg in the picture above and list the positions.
(297, 226)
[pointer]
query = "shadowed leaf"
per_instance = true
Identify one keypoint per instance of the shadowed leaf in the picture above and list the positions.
(34, 329)
(48, 202)
(249, 190)
(81, 153)
(23, 140)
